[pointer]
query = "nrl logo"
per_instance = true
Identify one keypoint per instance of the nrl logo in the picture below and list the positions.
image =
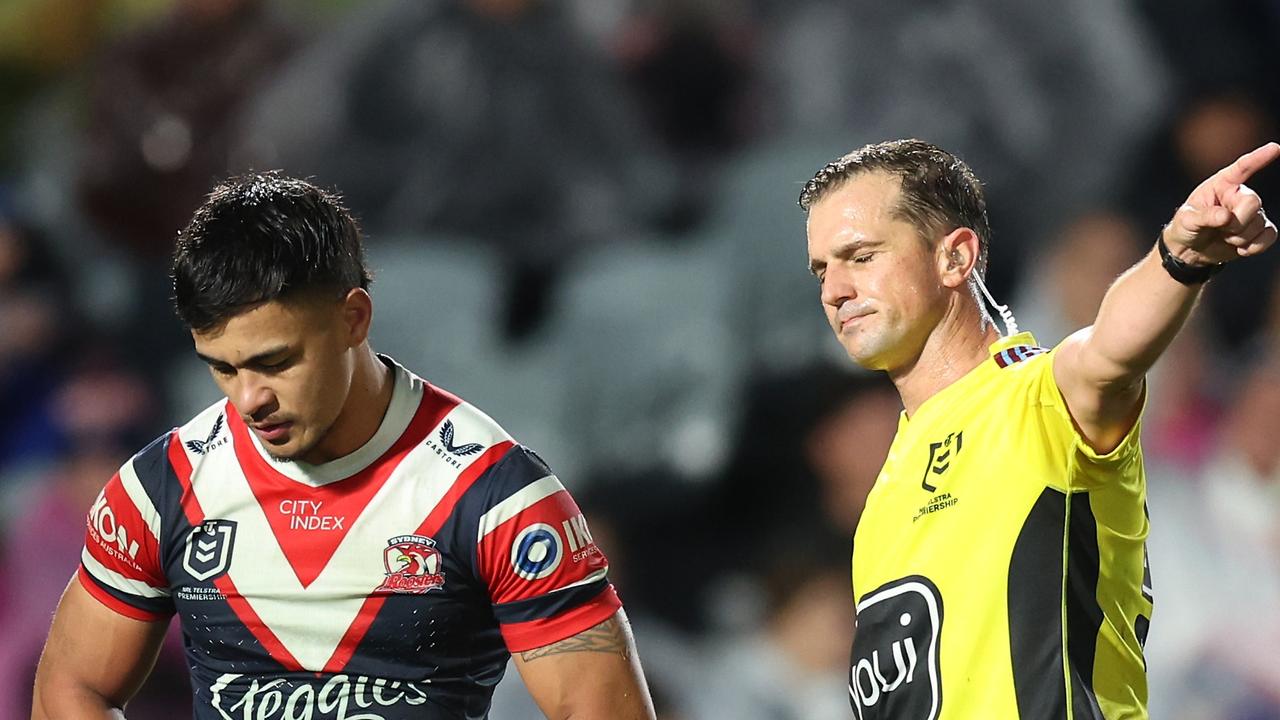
(940, 455)
(208, 551)
(201, 447)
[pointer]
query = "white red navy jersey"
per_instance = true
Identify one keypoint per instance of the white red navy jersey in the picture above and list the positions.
(391, 583)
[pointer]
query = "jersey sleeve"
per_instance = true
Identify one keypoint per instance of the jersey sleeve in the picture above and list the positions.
(545, 575)
(1087, 468)
(121, 563)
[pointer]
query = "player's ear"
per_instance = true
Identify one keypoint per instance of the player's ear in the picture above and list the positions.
(956, 256)
(357, 315)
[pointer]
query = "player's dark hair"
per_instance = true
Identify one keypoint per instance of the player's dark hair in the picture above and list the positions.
(939, 191)
(261, 237)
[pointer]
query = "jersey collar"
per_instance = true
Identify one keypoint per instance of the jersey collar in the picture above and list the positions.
(405, 398)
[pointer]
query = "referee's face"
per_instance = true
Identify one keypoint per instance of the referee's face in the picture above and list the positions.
(880, 285)
(287, 367)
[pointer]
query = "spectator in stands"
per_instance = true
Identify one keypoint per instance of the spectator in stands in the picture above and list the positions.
(32, 324)
(794, 666)
(1067, 278)
(1210, 127)
(102, 412)
(482, 119)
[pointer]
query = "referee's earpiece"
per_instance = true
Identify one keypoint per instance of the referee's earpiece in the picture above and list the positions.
(954, 260)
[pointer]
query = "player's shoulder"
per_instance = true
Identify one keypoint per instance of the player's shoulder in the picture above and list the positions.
(507, 475)
(468, 429)
(467, 426)
(206, 430)
(464, 429)
(149, 477)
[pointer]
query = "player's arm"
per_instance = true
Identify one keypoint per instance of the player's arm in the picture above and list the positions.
(1100, 369)
(594, 675)
(94, 660)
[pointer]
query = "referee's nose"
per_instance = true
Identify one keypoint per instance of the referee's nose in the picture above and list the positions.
(837, 286)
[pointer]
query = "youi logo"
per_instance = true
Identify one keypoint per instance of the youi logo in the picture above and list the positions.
(894, 671)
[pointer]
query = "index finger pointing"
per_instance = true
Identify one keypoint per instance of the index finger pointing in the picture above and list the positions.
(1251, 162)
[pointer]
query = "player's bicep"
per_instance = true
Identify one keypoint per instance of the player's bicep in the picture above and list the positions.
(94, 657)
(593, 674)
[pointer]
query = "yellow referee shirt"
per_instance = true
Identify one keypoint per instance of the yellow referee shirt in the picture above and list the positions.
(999, 567)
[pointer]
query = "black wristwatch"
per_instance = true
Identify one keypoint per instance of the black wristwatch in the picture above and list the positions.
(1185, 273)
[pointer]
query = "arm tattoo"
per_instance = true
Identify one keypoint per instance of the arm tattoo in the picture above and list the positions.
(607, 637)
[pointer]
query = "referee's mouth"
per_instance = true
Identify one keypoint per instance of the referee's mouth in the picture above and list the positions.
(848, 323)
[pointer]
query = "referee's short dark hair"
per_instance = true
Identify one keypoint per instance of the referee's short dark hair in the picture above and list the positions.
(261, 237)
(939, 191)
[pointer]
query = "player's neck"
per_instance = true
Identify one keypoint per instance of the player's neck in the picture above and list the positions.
(959, 343)
(372, 384)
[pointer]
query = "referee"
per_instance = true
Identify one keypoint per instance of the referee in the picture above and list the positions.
(999, 567)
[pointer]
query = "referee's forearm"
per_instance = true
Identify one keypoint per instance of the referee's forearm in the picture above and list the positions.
(1139, 317)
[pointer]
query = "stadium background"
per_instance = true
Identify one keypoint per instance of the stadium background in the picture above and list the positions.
(582, 217)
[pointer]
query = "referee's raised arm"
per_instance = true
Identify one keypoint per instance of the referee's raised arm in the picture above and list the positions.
(1100, 369)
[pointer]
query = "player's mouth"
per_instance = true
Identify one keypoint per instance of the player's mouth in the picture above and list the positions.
(274, 432)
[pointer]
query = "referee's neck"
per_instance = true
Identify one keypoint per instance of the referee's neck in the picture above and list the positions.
(959, 343)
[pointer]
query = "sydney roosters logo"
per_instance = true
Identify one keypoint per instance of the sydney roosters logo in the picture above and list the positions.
(413, 565)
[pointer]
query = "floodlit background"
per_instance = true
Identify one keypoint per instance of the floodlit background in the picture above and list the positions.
(582, 216)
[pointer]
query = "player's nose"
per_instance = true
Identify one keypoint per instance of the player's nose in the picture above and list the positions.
(253, 396)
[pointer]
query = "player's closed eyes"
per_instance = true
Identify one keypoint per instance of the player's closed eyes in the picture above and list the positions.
(276, 366)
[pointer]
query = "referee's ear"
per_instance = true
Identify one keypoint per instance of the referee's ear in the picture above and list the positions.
(957, 256)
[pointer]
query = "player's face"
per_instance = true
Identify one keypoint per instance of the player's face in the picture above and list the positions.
(880, 282)
(287, 367)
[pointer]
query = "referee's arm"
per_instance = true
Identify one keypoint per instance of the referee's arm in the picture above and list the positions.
(1100, 369)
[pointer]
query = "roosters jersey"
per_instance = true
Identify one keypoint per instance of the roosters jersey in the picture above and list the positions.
(999, 567)
(391, 583)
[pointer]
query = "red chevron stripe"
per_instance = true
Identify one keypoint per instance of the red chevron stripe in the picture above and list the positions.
(244, 612)
(309, 551)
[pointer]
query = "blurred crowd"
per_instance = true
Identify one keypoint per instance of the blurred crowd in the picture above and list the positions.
(582, 218)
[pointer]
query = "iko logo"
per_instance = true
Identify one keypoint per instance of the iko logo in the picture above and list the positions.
(581, 544)
(209, 549)
(102, 521)
(537, 551)
(342, 697)
(446, 437)
(201, 447)
(894, 671)
(940, 455)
